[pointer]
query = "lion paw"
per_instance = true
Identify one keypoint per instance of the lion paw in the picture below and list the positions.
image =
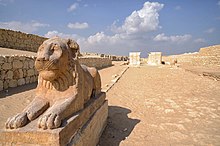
(49, 121)
(17, 121)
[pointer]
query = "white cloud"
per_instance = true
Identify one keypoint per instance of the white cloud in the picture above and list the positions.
(210, 30)
(53, 33)
(28, 27)
(178, 8)
(176, 38)
(200, 40)
(78, 25)
(73, 7)
(143, 20)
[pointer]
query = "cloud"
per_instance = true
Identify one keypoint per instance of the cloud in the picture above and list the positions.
(200, 40)
(78, 25)
(178, 8)
(176, 38)
(28, 27)
(218, 3)
(73, 7)
(210, 30)
(53, 33)
(143, 20)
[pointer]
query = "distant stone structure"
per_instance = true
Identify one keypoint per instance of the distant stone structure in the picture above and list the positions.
(155, 58)
(19, 40)
(64, 88)
(134, 58)
(208, 56)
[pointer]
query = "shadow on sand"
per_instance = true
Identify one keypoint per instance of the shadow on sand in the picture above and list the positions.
(19, 89)
(119, 126)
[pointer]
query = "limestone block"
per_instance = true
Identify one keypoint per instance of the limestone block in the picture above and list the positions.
(9, 74)
(2, 59)
(10, 59)
(30, 72)
(27, 80)
(1, 85)
(2, 74)
(5, 84)
(25, 64)
(18, 74)
(31, 63)
(13, 83)
(17, 64)
(6, 66)
(21, 81)
(82, 129)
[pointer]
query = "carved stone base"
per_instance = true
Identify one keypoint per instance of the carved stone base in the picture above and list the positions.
(83, 128)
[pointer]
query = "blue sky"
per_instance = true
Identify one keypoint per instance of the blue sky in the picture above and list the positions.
(119, 26)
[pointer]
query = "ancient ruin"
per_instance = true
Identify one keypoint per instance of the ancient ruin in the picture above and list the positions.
(134, 58)
(155, 58)
(64, 88)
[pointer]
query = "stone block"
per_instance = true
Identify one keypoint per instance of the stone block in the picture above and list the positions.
(9, 74)
(21, 81)
(81, 129)
(17, 64)
(30, 72)
(6, 66)
(1, 85)
(13, 83)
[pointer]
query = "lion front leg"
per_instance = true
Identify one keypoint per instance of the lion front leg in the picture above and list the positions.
(61, 109)
(31, 112)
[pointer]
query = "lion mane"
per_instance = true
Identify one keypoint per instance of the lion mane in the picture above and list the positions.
(64, 86)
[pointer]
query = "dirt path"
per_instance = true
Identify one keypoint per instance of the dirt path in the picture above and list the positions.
(156, 106)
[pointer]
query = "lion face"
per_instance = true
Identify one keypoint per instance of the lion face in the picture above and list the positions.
(52, 58)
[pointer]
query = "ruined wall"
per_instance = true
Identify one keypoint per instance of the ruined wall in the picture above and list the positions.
(19, 40)
(98, 62)
(208, 56)
(16, 71)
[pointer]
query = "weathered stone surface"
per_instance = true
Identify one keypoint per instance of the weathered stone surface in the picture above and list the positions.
(31, 63)
(6, 66)
(155, 58)
(2, 74)
(5, 84)
(21, 82)
(27, 80)
(30, 72)
(13, 83)
(9, 74)
(134, 58)
(17, 64)
(82, 128)
(25, 66)
(2, 59)
(1, 85)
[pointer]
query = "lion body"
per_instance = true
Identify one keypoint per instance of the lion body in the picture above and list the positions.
(64, 86)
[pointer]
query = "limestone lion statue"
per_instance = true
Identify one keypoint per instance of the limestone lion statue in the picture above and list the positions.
(64, 86)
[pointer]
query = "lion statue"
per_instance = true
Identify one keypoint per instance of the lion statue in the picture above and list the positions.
(64, 86)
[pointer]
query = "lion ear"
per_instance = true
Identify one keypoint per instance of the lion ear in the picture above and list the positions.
(74, 47)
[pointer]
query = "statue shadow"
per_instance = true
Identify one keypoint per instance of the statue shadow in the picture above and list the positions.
(119, 126)
(19, 89)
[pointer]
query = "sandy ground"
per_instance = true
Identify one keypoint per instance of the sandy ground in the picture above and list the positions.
(161, 106)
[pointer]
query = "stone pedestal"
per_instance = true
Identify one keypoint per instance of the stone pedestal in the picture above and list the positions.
(81, 129)
(155, 58)
(134, 58)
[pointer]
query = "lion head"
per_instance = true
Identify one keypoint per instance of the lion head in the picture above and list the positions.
(54, 59)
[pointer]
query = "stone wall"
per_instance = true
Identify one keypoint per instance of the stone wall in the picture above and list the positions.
(208, 56)
(16, 71)
(98, 62)
(19, 40)
(19, 70)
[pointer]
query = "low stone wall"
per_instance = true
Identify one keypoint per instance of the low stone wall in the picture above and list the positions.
(19, 70)
(16, 71)
(19, 40)
(98, 62)
(208, 56)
